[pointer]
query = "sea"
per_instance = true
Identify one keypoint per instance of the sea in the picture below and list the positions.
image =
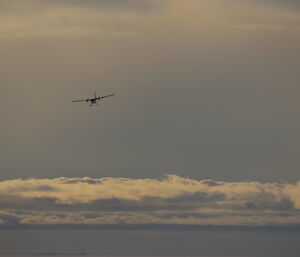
(71, 242)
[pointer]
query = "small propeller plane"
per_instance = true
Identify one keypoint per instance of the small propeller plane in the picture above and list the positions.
(93, 100)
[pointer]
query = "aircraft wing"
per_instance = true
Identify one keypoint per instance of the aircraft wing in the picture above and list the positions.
(76, 101)
(106, 96)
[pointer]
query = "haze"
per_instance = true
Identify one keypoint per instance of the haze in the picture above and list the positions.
(206, 89)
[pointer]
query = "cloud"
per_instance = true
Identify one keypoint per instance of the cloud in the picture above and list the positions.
(280, 3)
(68, 19)
(130, 5)
(9, 218)
(170, 200)
(132, 18)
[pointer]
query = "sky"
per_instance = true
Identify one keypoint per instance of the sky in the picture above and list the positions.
(203, 128)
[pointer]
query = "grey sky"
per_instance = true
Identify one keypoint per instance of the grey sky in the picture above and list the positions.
(203, 89)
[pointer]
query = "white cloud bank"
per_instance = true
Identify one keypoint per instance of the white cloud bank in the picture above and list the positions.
(171, 200)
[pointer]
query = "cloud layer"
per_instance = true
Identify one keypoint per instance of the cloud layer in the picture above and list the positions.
(130, 18)
(170, 200)
(69, 19)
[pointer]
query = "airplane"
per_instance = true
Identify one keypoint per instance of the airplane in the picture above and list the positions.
(93, 100)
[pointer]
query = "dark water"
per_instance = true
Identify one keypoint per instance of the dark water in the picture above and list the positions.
(148, 243)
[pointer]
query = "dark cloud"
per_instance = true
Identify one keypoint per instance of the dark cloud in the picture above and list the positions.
(282, 3)
(283, 204)
(185, 202)
(211, 182)
(20, 203)
(140, 5)
(9, 219)
(39, 5)
(82, 180)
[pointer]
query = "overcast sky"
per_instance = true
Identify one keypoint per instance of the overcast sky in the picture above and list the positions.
(204, 89)
(207, 89)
